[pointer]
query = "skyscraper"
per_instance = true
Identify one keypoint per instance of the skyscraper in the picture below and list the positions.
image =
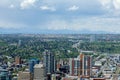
(74, 66)
(80, 66)
(85, 68)
(32, 62)
(49, 62)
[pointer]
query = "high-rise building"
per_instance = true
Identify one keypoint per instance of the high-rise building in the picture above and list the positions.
(74, 66)
(18, 60)
(80, 66)
(49, 62)
(39, 72)
(32, 62)
(85, 62)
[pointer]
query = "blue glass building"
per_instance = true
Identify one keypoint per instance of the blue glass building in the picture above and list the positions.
(32, 62)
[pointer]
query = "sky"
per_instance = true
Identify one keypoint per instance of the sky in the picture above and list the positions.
(36, 16)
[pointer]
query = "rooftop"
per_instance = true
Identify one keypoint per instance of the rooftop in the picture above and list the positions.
(38, 66)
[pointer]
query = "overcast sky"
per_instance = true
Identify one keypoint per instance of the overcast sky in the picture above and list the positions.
(76, 15)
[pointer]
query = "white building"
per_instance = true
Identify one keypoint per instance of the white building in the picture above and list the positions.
(38, 72)
(98, 63)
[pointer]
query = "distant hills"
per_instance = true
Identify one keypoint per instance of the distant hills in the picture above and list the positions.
(9, 31)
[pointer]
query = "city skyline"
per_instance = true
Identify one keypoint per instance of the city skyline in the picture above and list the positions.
(44, 16)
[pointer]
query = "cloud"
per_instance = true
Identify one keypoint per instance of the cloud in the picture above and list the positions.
(68, 14)
(27, 3)
(88, 23)
(111, 4)
(12, 6)
(112, 7)
(47, 8)
(73, 8)
(9, 3)
(116, 4)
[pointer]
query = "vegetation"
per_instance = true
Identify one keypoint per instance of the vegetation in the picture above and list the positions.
(33, 47)
(103, 47)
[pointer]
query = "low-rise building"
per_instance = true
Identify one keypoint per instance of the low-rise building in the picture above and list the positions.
(24, 76)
